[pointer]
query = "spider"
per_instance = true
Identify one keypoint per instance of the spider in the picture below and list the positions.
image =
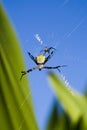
(40, 60)
(48, 50)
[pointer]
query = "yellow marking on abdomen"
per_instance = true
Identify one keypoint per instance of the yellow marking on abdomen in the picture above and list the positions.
(40, 59)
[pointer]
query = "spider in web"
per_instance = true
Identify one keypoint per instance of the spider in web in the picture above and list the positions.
(40, 61)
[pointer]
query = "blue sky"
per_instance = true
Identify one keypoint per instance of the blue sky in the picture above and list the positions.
(61, 24)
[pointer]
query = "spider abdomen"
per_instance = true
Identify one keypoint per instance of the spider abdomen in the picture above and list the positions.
(40, 59)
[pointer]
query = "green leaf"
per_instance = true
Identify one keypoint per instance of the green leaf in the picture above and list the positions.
(73, 103)
(58, 120)
(53, 117)
(16, 110)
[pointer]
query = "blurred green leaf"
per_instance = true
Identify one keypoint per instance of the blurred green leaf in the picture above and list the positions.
(53, 117)
(73, 103)
(63, 123)
(16, 111)
(58, 119)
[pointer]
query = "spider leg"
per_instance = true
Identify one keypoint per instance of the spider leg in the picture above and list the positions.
(47, 50)
(48, 57)
(32, 57)
(55, 67)
(42, 51)
(25, 72)
(52, 48)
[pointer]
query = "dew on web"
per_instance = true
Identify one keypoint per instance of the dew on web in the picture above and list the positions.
(72, 91)
(38, 38)
(43, 44)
